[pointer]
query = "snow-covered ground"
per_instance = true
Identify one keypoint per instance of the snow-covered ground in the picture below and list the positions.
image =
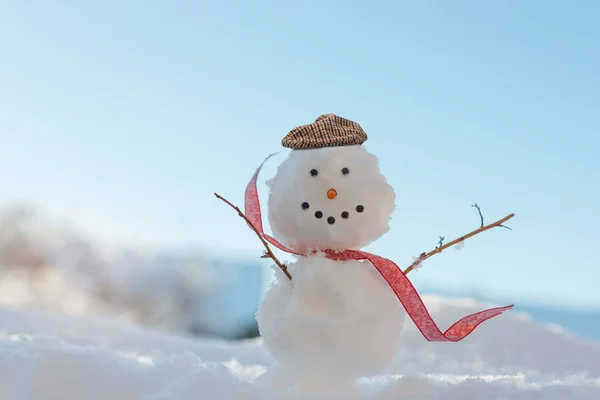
(50, 356)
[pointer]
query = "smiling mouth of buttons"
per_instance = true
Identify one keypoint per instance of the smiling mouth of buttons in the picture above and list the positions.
(331, 194)
(331, 219)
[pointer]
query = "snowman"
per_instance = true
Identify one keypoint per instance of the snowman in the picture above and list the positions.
(340, 316)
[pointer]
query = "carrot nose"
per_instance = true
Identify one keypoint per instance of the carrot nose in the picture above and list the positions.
(331, 194)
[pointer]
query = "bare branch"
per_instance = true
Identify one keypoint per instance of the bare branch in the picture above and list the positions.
(268, 253)
(437, 250)
(480, 214)
(441, 242)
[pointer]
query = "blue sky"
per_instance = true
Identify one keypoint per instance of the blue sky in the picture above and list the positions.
(123, 118)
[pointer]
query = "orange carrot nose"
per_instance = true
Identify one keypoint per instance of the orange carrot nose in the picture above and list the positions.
(331, 194)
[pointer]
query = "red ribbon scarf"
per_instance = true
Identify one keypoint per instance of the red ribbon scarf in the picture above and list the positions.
(400, 284)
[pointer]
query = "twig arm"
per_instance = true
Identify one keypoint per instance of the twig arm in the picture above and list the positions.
(268, 253)
(437, 250)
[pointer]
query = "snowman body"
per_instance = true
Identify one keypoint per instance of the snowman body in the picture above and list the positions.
(336, 321)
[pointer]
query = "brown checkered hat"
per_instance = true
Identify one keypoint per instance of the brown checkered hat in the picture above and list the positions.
(328, 130)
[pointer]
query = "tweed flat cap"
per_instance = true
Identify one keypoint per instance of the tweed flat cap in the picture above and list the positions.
(328, 130)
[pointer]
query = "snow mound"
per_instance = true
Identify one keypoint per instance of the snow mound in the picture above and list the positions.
(47, 356)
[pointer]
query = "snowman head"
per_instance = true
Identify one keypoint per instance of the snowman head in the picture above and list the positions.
(329, 194)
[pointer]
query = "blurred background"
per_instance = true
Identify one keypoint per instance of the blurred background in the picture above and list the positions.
(118, 121)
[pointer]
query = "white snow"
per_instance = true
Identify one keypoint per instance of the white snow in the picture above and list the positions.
(51, 356)
(343, 317)
(45, 265)
(306, 176)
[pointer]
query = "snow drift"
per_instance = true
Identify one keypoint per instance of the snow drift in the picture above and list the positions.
(48, 356)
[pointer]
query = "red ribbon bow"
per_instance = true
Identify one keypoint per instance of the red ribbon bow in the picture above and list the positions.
(400, 284)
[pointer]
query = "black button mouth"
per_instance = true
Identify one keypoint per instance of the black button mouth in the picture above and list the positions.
(331, 220)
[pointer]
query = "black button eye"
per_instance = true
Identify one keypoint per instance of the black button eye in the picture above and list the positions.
(345, 171)
(305, 206)
(345, 215)
(360, 209)
(314, 172)
(319, 214)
